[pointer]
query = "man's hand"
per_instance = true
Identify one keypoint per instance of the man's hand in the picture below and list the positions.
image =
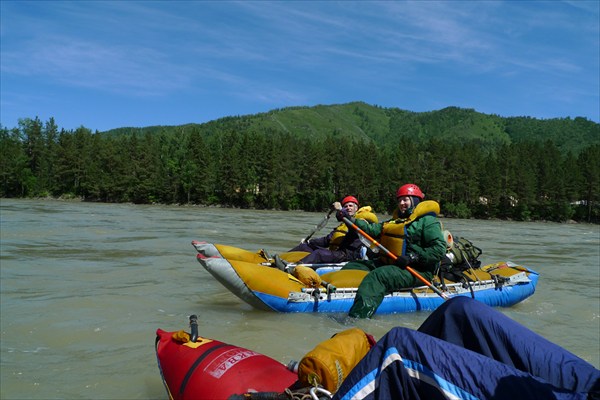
(341, 214)
(403, 261)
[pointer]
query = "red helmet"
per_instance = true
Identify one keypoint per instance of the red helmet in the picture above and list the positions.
(410, 189)
(349, 199)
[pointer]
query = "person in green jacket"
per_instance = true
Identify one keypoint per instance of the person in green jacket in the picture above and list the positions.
(414, 235)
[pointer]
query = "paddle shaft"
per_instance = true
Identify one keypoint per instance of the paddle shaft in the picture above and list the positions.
(320, 225)
(394, 257)
(313, 266)
(319, 265)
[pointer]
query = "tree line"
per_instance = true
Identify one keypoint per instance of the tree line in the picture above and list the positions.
(270, 169)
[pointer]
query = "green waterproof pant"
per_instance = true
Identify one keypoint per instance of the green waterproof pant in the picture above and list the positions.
(378, 282)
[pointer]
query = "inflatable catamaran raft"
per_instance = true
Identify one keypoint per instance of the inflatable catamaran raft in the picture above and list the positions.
(249, 276)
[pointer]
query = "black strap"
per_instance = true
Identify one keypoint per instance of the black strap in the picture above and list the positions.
(188, 375)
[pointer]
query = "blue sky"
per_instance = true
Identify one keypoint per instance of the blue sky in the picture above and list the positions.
(111, 64)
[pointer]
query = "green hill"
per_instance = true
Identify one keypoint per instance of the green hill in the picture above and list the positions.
(359, 121)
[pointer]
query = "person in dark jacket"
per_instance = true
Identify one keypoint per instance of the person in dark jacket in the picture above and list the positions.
(414, 235)
(340, 244)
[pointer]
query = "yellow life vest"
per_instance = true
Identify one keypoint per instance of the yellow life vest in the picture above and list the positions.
(340, 231)
(394, 231)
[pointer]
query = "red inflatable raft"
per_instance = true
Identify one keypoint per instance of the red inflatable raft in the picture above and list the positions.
(209, 369)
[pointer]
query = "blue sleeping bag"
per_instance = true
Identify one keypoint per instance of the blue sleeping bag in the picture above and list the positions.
(468, 350)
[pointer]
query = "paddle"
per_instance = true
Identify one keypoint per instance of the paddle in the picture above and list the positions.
(394, 257)
(318, 265)
(319, 226)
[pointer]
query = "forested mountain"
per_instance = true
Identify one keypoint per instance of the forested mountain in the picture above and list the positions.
(385, 126)
(475, 165)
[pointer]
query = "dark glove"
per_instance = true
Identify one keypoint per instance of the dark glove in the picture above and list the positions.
(341, 214)
(403, 261)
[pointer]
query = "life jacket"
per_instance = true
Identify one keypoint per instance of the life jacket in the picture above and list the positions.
(341, 230)
(394, 231)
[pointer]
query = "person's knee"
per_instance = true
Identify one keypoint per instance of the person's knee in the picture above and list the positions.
(462, 304)
(380, 274)
(403, 339)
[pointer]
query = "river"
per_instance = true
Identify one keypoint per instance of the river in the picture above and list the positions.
(84, 286)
